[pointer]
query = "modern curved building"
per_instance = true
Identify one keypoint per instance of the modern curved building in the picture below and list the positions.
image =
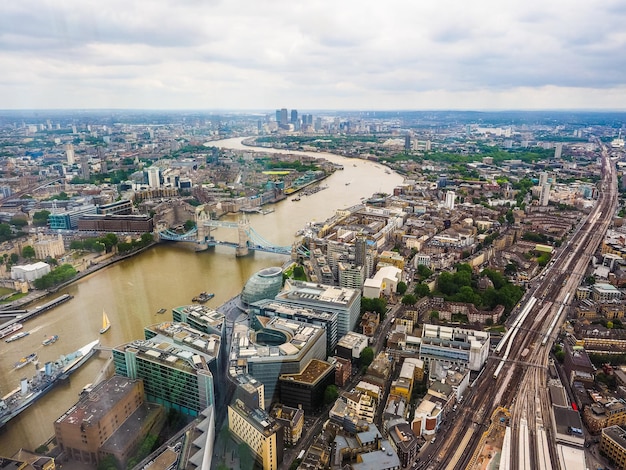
(265, 284)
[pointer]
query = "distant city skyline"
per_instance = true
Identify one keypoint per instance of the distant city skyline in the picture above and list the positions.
(348, 55)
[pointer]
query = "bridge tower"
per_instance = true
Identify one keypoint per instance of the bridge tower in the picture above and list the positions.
(203, 231)
(243, 226)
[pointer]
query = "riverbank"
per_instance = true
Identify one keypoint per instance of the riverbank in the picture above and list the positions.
(37, 295)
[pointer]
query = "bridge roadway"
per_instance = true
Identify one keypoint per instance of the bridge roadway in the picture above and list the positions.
(520, 388)
(249, 239)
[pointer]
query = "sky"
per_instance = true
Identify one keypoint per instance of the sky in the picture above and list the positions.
(317, 54)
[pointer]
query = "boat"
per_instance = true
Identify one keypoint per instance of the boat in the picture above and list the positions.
(161, 310)
(296, 199)
(49, 340)
(46, 377)
(203, 297)
(17, 336)
(348, 183)
(25, 361)
(106, 323)
(12, 328)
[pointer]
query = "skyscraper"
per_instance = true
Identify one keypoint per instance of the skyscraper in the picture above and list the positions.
(69, 153)
(294, 116)
(154, 177)
(450, 197)
(544, 198)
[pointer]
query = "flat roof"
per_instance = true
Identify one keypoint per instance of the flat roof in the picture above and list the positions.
(92, 406)
(312, 372)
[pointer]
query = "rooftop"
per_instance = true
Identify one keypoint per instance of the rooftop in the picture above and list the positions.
(203, 314)
(259, 418)
(617, 434)
(312, 373)
(190, 338)
(309, 291)
(93, 406)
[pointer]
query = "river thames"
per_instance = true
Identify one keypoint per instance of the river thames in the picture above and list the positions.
(166, 276)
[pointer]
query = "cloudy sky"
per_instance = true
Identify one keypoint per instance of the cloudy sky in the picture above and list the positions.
(317, 54)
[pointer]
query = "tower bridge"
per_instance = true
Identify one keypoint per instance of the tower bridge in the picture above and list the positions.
(248, 239)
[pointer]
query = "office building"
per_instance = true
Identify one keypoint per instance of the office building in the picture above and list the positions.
(250, 391)
(404, 442)
(544, 196)
(69, 154)
(110, 420)
(154, 177)
(201, 318)
(116, 223)
(292, 421)
(68, 220)
(457, 346)
(345, 302)
(277, 308)
(543, 178)
(351, 275)
(352, 345)
(122, 207)
(307, 388)
(613, 445)
(275, 346)
(173, 362)
(282, 117)
(407, 142)
(450, 198)
(259, 431)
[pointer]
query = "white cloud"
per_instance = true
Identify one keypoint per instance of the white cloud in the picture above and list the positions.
(350, 54)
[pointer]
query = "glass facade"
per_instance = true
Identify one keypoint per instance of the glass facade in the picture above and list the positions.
(265, 284)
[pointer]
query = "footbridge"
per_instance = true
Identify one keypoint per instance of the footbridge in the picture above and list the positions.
(248, 239)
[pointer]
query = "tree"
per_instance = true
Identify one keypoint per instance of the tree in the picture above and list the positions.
(28, 252)
(298, 272)
(421, 290)
(19, 222)
(409, 299)
(510, 218)
(401, 287)
(374, 305)
(330, 394)
(424, 271)
(189, 225)
(14, 258)
(40, 218)
(434, 315)
(366, 357)
(510, 268)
